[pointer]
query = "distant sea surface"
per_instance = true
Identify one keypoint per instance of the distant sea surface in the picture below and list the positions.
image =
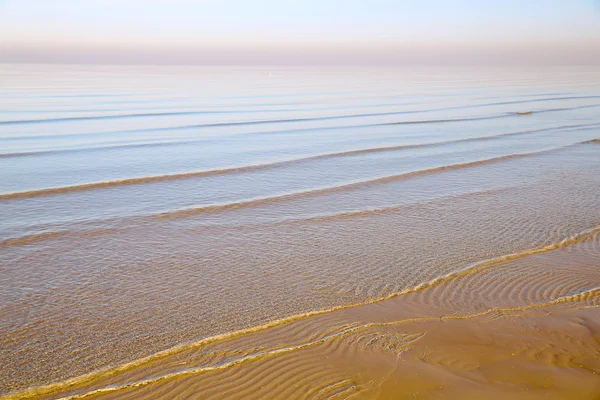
(142, 208)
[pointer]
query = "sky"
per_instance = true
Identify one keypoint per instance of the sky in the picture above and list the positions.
(300, 31)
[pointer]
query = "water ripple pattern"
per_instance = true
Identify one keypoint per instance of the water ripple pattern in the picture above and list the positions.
(145, 210)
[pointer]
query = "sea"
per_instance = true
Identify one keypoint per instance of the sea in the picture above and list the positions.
(144, 208)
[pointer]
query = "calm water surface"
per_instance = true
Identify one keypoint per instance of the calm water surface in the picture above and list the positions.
(146, 207)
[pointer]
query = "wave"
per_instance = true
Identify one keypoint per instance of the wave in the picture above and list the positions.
(384, 210)
(102, 117)
(160, 178)
(273, 121)
(235, 107)
(481, 265)
(348, 186)
(199, 112)
(225, 124)
(192, 141)
(263, 122)
(120, 116)
(92, 149)
(36, 237)
(253, 167)
(402, 342)
(259, 353)
(546, 99)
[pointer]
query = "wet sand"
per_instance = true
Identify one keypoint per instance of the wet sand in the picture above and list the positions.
(523, 326)
(172, 232)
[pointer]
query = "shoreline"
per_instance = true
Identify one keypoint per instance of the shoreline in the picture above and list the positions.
(431, 307)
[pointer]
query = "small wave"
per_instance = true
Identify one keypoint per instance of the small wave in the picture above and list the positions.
(102, 117)
(60, 386)
(92, 149)
(497, 116)
(347, 186)
(388, 209)
(192, 141)
(199, 112)
(132, 181)
(36, 237)
(549, 110)
(121, 116)
(57, 387)
(545, 99)
(254, 167)
(257, 122)
(267, 122)
(241, 123)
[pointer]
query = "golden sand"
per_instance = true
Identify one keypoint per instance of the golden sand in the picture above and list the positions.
(520, 327)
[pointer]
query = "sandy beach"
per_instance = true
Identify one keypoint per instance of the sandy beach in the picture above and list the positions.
(534, 334)
(207, 233)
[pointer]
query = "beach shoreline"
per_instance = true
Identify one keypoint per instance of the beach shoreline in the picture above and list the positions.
(533, 334)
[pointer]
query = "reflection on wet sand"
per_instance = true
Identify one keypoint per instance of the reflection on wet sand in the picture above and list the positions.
(525, 326)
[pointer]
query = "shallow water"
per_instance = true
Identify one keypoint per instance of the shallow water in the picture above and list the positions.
(523, 326)
(146, 208)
